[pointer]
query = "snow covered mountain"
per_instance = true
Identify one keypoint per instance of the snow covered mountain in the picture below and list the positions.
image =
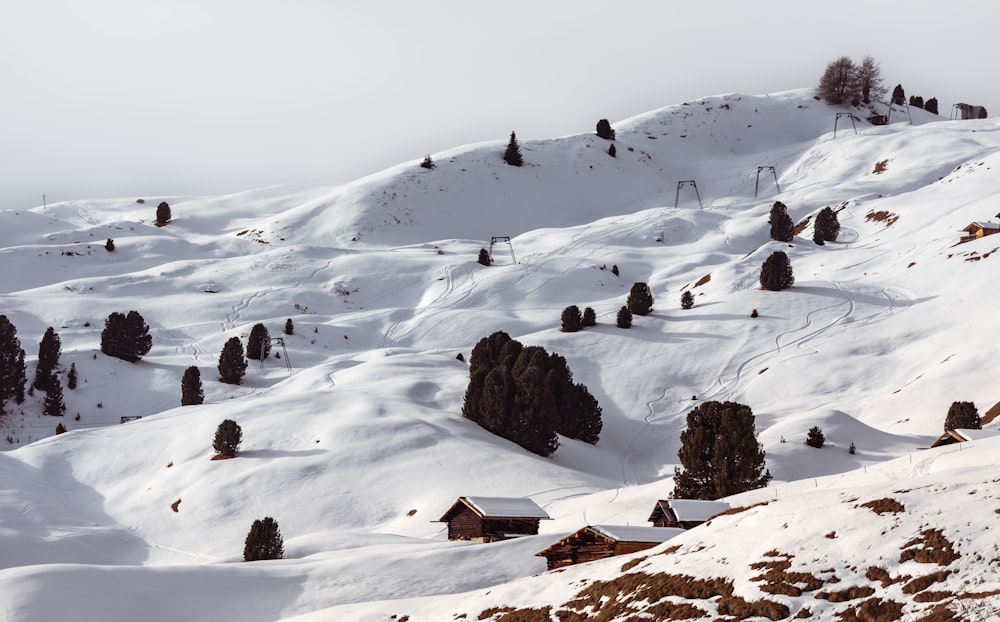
(354, 440)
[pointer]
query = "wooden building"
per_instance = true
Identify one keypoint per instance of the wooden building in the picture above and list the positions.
(488, 519)
(685, 513)
(978, 230)
(961, 436)
(603, 541)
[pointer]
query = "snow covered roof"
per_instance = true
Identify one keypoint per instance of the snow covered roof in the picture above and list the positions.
(696, 510)
(975, 435)
(982, 225)
(627, 533)
(502, 507)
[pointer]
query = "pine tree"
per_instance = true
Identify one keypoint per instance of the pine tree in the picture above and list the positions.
(776, 273)
(512, 155)
(612, 151)
(582, 419)
(162, 213)
(54, 406)
(12, 370)
(962, 416)
(827, 227)
(624, 318)
(232, 364)
(191, 390)
(49, 350)
(604, 130)
(815, 437)
(589, 317)
(264, 541)
(484, 257)
(109, 245)
(228, 437)
(571, 320)
(428, 163)
(931, 105)
(259, 343)
(640, 299)
(898, 95)
(126, 336)
(289, 327)
(71, 377)
(687, 300)
(782, 227)
(719, 453)
(60, 428)
(916, 101)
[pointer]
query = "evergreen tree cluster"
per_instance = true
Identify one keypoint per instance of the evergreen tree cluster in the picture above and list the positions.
(13, 376)
(604, 130)
(776, 273)
(527, 395)
(573, 321)
(719, 453)
(782, 227)
(49, 350)
(264, 541)
(962, 416)
(126, 336)
(827, 227)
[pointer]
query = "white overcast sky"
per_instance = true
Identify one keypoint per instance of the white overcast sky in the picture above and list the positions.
(129, 98)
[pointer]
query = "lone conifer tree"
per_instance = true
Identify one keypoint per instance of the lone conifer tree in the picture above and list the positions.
(931, 105)
(776, 273)
(512, 155)
(54, 406)
(604, 130)
(640, 299)
(264, 541)
(624, 318)
(782, 227)
(191, 390)
(827, 227)
(687, 300)
(898, 95)
(12, 372)
(289, 327)
(719, 453)
(228, 437)
(60, 428)
(71, 377)
(259, 343)
(484, 257)
(428, 163)
(962, 416)
(162, 213)
(815, 437)
(589, 317)
(49, 350)
(571, 320)
(232, 364)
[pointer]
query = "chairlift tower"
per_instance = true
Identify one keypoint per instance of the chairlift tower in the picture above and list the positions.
(502, 239)
(773, 173)
(693, 184)
(284, 353)
(837, 120)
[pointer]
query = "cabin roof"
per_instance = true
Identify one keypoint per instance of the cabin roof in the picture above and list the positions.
(628, 533)
(961, 435)
(982, 225)
(498, 507)
(685, 510)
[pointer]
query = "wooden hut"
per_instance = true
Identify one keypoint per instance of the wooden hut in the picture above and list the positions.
(961, 436)
(603, 541)
(488, 519)
(978, 230)
(685, 513)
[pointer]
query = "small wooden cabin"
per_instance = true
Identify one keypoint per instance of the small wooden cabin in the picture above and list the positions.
(961, 436)
(488, 519)
(685, 513)
(978, 230)
(603, 541)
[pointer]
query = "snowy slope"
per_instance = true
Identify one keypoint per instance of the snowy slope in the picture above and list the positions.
(361, 447)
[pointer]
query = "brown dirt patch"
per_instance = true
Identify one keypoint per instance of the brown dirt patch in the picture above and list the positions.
(880, 167)
(884, 506)
(632, 563)
(778, 580)
(842, 596)
(174, 505)
(743, 609)
(930, 547)
(883, 216)
(873, 610)
(991, 414)
(509, 614)
(802, 226)
(922, 583)
(703, 280)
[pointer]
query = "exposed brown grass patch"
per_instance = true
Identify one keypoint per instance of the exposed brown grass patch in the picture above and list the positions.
(509, 614)
(922, 583)
(603, 601)
(632, 563)
(778, 579)
(884, 506)
(802, 226)
(991, 414)
(174, 505)
(851, 593)
(739, 509)
(703, 280)
(930, 547)
(883, 216)
(877, 573)
(932, 597)
(873, 610)
(675, 611)
(880, 167)
(743, 609)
